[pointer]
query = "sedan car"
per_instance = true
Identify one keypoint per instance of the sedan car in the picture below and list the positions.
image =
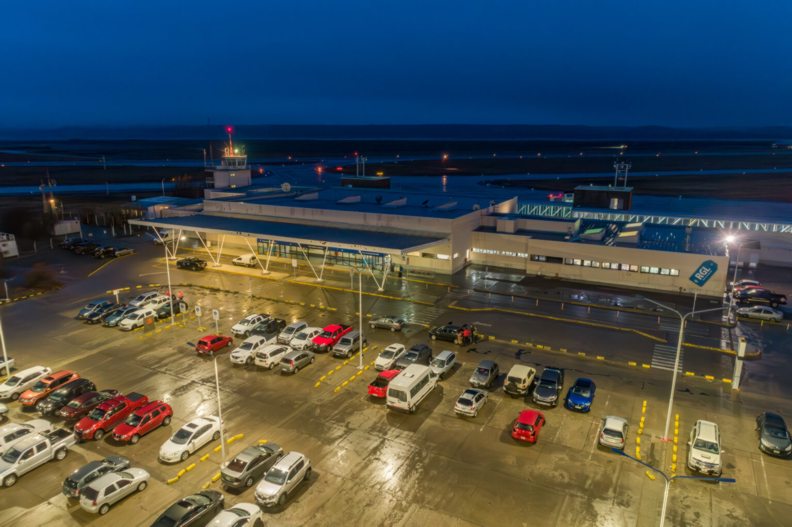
(581, 395)
(240, 515)
(189, 438)
(191, 263)
(443, 363)
(614, 432)
(211, 344)
(91, 307)
(392, 323)
(485, 374)
(250, 465)
(194, 510)
(773, 435)
(111, 488)
(74, 482)
(527, 426)
(98, 315)
(389, 356)
(761, 313)
(112, 318)
(448, 333)
(79, 407)
(418, 354)
(303, 339)
(470, 402)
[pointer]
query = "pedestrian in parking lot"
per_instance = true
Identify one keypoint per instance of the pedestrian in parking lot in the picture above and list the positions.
(467, 334)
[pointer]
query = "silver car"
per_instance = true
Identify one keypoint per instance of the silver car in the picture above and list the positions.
(470, 402)
(250, 465)
(101, 494)
(282, 479)
(293, 361)
(614, 432)
(761, 313)
(392, 323)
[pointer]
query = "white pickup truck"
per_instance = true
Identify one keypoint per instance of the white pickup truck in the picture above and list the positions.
(33, 451)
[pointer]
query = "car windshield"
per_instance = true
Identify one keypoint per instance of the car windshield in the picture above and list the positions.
(59, 397)
(96, 414)
(73, 404)
(388, 354)
(380, 382)
(289, 330)
(707, 446)
(12, 455)
(613, 433)
(514, 380)
(90, 493)
(246, 346)
(133, 419)
(39, 386)
(546, 384)
(411, 356)
(13, 381)
(482, 371)
(582, 391)
(777, 432)
(276, 476)
(438, 362)
(181, 437)
(302, 335)
(327, 334)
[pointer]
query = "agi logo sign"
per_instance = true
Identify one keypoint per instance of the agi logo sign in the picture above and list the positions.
(704, 272)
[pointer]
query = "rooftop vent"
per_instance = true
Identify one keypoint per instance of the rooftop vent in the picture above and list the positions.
(447, 206)
(401, 202)
(311, 196)
(350, 199)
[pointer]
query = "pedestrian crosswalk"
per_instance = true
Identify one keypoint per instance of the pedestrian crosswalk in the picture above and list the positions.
(425, 315)
(663, 357)
(694, 329)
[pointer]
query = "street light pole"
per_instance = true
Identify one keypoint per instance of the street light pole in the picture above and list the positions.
(167, 273)
(680, 339)
(162, 182)
(360, 320)
(219, 411)
(5, 355)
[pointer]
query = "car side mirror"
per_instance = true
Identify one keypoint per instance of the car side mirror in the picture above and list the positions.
(723, 451)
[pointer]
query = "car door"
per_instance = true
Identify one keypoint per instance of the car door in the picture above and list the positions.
(294, 478)
(202, 436)
(108, 494)
(145, 425)
(40, 455)
(256, 467)
(123, 488)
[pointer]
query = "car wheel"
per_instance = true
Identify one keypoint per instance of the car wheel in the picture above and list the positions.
(249, 482)
(166, 421)
(60, 454)
(103, 509)
(216, 436)
(134, 439)
(282, 500)
(229, 343)
(308, 474)
(9, 480)
(142, 486)
(434, 337)
(99, 434)
(249, 361)
(475, 413)
(296, 369)
(272, 365)
(184, 455)
(14, 396)
(372, 326)
(393, 330)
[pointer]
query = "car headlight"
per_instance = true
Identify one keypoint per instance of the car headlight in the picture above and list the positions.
(766, 444)
(788, 448)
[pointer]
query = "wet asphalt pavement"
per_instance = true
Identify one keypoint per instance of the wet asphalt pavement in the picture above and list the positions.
(373, 466)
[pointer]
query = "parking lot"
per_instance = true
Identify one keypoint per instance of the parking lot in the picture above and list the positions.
(379, 467)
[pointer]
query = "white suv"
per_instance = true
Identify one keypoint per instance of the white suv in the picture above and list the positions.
(246, 325)
(157, 302)
(271, 355)
(136, 319)
(704, 448)
(282, 479)
(246, 352)
(302, 340)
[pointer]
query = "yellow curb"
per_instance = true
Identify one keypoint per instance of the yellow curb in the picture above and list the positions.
(173, 480)
(344, 383)
(206, 485)
(218, 448)
(727, 381)
(515, 341)
(632, 363)
(318, 384)
(181, 473)
(337, 389)
(709, 377)
(215, 477)
(204, 457)
(234, 438)
(600, 357)
(262, 441)
(189, 467)
(689, 374)
(322, 378)
(562, 350)
(352, 378)
(359, 373)
(581, 353)
(650, 475)
(338, 367)
(647, 366)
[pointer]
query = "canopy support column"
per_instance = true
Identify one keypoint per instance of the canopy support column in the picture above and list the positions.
(211, 256)
(255, 255)
(309, 262)
(322, 268)
(380, 287)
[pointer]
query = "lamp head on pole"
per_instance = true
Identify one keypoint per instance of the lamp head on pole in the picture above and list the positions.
(730, 238)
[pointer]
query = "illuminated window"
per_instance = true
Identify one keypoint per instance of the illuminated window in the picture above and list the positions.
(595, 263)
(644, 268)
(633, 268)
(442, 257)
(586, 263)
(665, 271)
(606, 265)
(674, 272)
(578, 261)
(654, 270)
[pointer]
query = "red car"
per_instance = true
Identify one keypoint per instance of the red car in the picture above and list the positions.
(142, 421)
(82, 404)
(107, 415)
(527, 426)
(379, 386)
(212, 343)
(329, 337)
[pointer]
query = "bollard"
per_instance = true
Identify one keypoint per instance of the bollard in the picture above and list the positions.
(562, 306)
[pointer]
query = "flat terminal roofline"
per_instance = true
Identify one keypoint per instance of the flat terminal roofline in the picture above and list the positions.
(290, 239)
(567, 212)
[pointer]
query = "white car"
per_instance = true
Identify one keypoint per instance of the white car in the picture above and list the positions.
(704, 448)
(240, 515)
(136, 319)
(13, 432)
(5, 366)
(244, 326)
(302, 340)
(157, 302)
(111, 488)
(614, 432)
(470, 402)
(142, 298)
(290, 331)
(245, 353)
(190, 438)
(761, 312)
(282, 478)
(388, 357)
(21, 381)
(443, 363)
(3, 411)
(245, 260)
(270, 356)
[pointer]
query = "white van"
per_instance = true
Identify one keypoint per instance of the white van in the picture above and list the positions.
(136, 319)
(245, 260)
(410, 387)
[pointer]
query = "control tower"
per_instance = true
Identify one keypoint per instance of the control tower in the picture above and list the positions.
(233, 170)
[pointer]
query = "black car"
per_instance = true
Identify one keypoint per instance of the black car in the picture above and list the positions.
(418, 354)
(447, 333)
(760, 296)
(548, 387)
(165, 311)
(104, 252)
(81, 477)
(191, 263)
(195, 510)
(61, 397)
(84, 247)
(774, 437)
(99, 314)
(269, 327)
(69, 244)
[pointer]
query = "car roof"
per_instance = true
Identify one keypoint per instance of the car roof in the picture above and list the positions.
(707, 430)
(297, 324)
(583, 381)
(288, 460)
(394, 347)
(444, 354)
(389, 374)
(528, 416)
(86, 469)
(28, 441)
(772, 418)
(197, 422)
(293, 354)
(470, 392)
(57, 375)
(486, 363)
(28, 371)
(149, 407)
(272, 347)
(615, 423)
(209, 337)
(521, 369)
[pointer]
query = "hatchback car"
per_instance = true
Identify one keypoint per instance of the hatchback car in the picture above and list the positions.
(211, 344)
(761, 313)
(142, 421)
(773, 435)
(79, 407)
(137, 319)
(282, 479)
(388, 357)
(379, 387)
(60, 397)
(485, 374)
(392, 323)
(92, 470)
(290, 331)
(443, 363)
(240, 515)
(97, 315)
(614, 432)
(189, 438)
(101, 494)
(143, 298)
(194, 510)
(470, 402)
(113, 318)
(293, 361)
(527, 426)
(46, 386)
(304, 339)
(581, 395)
(448, 333)
(270, 355)
(418, 354)
(250, 465)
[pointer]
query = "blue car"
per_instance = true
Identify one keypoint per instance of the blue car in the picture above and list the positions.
(93, 307)
(581, 395)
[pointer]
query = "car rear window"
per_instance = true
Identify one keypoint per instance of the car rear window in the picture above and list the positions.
(90, 493)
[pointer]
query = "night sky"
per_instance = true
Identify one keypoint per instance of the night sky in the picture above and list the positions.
(676, 63)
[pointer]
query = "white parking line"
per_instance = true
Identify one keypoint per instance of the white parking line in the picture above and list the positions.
(596, 436)
(764, 475)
